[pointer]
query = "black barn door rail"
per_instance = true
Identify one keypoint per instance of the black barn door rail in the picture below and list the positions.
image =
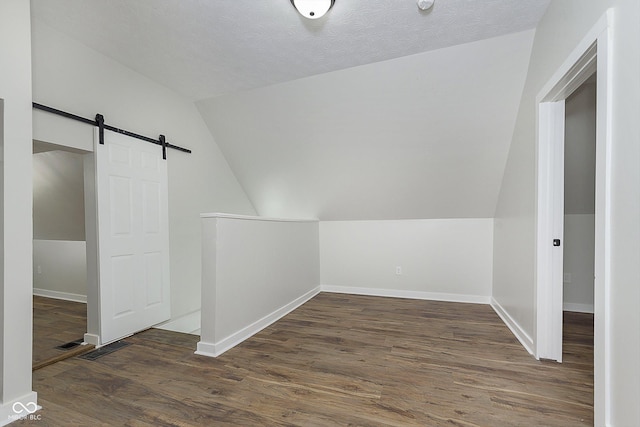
(99, 122)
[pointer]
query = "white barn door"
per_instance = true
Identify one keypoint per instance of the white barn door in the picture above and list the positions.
(133, 236)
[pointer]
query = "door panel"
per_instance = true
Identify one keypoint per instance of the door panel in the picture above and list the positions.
(133, 236)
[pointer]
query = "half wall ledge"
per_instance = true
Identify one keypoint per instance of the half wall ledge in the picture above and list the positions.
(255, 270)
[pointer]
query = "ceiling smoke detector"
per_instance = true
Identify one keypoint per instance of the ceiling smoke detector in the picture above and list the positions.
(312, 9)
(425, 4)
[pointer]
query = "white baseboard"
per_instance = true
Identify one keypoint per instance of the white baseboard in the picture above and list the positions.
(60, 295)
(516, 329)
(24, 407)
(207, 349)
(92, 339)
(394, 293)
(578, 308)
(217, 348)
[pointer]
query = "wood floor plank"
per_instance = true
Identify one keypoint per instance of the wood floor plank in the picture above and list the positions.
(56, 412)
(55, 322)
(337, 360)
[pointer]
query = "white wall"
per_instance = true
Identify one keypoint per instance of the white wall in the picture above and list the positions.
(255, 270)
(422, 136)
(15, 170)
(69, 76)
(59, 249)
(60, 269)
(449, 259)
(580, 151)
(579, 195)
(58, 196)
(562, 27)
(579, 240)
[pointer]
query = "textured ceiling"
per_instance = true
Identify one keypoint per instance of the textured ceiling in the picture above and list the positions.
(205, 48)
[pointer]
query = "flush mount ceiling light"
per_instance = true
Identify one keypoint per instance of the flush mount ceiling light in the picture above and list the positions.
(312, 9)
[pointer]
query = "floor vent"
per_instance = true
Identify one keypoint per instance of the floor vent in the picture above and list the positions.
(103, 351)
(70, 345)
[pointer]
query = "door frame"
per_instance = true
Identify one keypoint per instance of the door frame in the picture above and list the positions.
(90, 230)
(91, 236)
(593, 53)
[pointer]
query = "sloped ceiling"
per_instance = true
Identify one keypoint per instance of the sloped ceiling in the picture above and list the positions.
(376, 111)
(423, 136)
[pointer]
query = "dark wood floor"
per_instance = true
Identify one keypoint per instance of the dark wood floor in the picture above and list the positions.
(56, 322)
(577, 338)
(337, 360)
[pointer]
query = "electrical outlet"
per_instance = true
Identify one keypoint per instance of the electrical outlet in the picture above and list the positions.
(567, 277)
(398, 271)
(39, 270)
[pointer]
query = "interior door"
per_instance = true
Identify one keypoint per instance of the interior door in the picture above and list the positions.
(133, 236)
(557, 242)
(550, 230)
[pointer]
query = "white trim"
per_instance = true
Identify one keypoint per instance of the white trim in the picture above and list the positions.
(578, 308)
(92, 339)
(602, 270)
(217, 348)
(573, 63)
(186, 324)
(255, 218)
(29, 401)
(570, 76)
(396, 293)
(207, 349)
(60, 295)
(550, 223)
(595, 47)
(519, 332)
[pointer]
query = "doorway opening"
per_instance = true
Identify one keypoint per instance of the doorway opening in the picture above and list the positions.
(59, 254)
(578, 241)
(118, 228)
(579, 198)
(592, 55)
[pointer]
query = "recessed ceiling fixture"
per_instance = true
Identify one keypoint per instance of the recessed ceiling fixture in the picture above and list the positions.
(425, 4)
(312, 9)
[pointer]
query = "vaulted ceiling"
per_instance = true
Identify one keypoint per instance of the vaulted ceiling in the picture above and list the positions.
(375, 111)
(423, 136)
